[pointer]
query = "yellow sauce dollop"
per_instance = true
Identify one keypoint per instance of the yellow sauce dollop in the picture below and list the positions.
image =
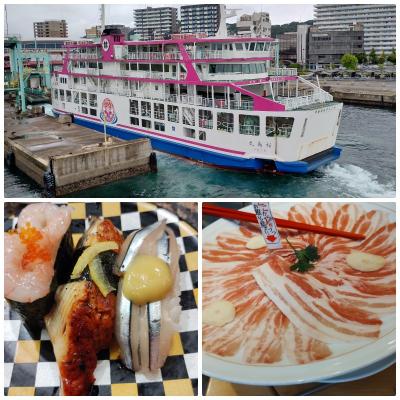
(146, 279)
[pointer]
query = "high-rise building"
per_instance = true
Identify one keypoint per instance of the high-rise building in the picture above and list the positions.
(257, 24)
(328, 47)
(379, 21)
(50, 29)
(200, 18)
(93, 32)
(287, 47)
(156, 23)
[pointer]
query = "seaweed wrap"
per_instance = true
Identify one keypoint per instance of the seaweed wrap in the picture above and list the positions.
(37, 259)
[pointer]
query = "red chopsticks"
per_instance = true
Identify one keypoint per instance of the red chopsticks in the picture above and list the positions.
(228, 213)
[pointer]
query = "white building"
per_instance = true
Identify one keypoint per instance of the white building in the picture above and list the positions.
(255, 25)
(379, 21)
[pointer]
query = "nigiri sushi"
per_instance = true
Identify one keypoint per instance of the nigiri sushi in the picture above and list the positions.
(81, 323)
(37, 258)
(148, 307)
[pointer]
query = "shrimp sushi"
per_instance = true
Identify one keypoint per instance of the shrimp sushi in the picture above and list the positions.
(81, 323)
(148, 308)
(37, 258)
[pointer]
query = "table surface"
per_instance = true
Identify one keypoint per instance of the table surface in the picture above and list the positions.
(380, 384)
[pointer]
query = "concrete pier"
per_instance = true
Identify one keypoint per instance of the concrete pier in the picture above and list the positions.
(372, 92)
(65, 158)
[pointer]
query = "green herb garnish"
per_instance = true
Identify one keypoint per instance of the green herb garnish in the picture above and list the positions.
(305, 258)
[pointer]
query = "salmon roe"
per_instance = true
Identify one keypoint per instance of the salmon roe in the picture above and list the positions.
(31, 237)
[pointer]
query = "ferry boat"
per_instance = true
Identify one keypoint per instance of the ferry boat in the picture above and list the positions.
(218, 100)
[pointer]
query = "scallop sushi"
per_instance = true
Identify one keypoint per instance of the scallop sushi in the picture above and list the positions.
(148, 308)
(81, 323)
(37, 258)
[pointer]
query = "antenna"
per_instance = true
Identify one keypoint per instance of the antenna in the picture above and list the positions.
(102, 17)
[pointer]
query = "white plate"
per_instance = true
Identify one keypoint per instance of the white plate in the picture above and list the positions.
(333, 369)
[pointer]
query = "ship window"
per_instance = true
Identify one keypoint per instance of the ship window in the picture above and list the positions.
(133, 67)
(76, 80)
(249, 124)
(144, 67)
(202, 135)
(159, 111)
(188, 116)
(84, 110)
(55, 93)
(239, 46)
(205, 119)
(246, 45)
(212, 68)
(246, 68)
(75, 95)
(279, 126)
(252, 46)
(135, 121)
(146, 123)
(190, 133)
(100, 65)
(83, 80)
(92, 65)
(259, 46)
(93, 112)
(93, 100)
(166, 68)
(173, 113)
(61, 94)
(159, 126)
(146, 109)
(225, 122)
(124, 66)
(83, 98)
(156, 68)
(68, 95)
(236, 68)
(253, 68)
(82, 64)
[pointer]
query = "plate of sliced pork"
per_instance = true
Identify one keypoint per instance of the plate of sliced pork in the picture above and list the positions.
(318, 308)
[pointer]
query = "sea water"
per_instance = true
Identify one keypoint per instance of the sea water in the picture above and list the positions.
(365, 169)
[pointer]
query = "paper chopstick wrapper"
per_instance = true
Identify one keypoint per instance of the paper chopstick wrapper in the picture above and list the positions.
(268, 225)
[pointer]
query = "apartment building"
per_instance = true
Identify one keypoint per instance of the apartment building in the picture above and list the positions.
(378, 20)
(156, 23)
(200, 18)
(257, 24)
(50, 29)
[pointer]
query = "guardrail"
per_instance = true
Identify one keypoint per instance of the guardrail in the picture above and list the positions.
(154, 56)
(292, 103)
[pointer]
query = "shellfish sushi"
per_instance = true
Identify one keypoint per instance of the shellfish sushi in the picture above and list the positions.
(37, 258)
(81, 323)
(148, 307)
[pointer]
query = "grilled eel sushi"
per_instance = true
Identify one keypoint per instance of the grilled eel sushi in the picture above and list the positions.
(144, 332)
(81, 323)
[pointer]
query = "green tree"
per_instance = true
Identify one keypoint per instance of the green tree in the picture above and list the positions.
(392, 57)
(373, 59)
(349, 61)
(362, 58)
(382, 58)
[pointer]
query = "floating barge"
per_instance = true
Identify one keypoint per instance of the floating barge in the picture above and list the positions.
(65, 158)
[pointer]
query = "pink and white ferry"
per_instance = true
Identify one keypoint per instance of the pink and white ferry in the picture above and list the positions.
(221, 101)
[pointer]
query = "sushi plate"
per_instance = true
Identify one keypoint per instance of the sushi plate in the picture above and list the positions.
(350, 363)
(29, 363)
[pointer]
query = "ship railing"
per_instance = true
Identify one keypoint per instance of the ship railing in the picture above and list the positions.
(206, 102)
(154, 56)
(57, 68)
(241, 105)
(282, 71)
(93, 71)
(159, 114)
(211, 54)
(83, 56)
(220, 103)
(292, 103)
(173, 117)
(225, 126)
(247, 129)
(205, 123)
(92, 88)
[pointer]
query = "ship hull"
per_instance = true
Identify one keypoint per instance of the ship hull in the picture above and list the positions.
(213, 158)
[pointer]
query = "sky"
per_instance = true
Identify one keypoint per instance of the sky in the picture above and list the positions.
(20, 17)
